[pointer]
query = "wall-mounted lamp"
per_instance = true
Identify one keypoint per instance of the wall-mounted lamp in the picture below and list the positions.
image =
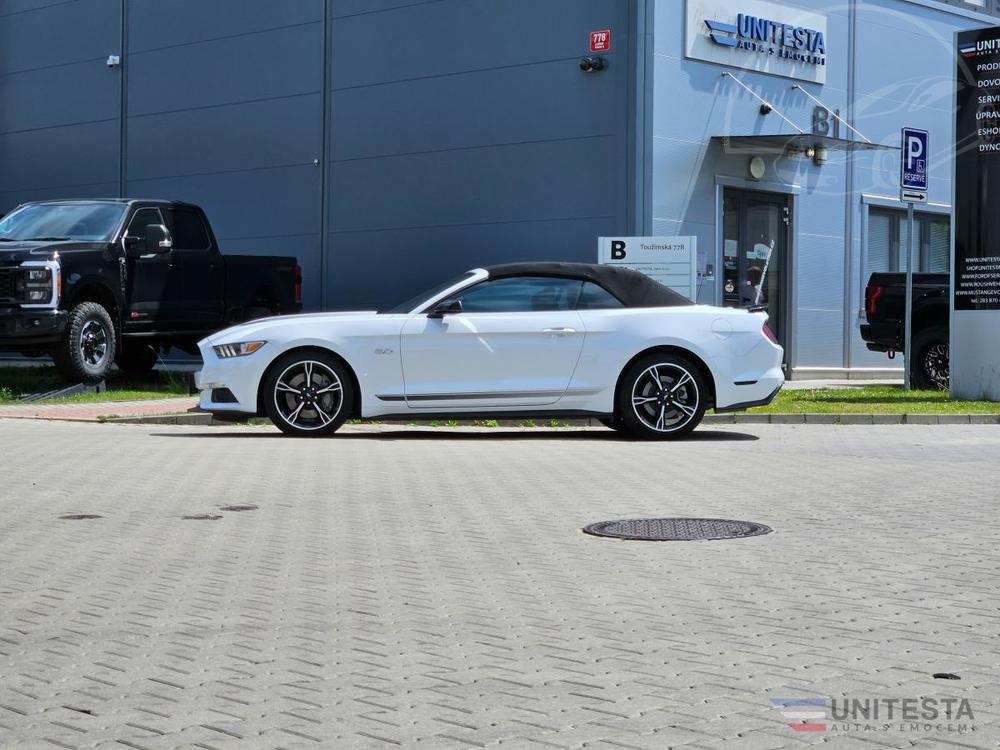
(592, 64)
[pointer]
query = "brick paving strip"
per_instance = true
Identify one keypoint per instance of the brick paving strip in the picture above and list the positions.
(92, 411)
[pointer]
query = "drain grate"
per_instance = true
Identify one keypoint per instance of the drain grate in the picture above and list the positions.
(237, 508)
(79, 516)
(676, 529)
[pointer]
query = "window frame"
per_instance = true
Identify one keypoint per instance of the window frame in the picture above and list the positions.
(457, 295)
(897, 216)
(173, 211)
(135, 214)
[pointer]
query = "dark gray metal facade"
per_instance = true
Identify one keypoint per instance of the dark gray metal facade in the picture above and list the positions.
(383, 142)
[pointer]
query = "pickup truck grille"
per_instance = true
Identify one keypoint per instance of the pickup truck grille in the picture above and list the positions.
(7, 277)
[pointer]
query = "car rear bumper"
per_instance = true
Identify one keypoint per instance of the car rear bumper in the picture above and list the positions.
(21, 328)
(881, 337)
(756, 402)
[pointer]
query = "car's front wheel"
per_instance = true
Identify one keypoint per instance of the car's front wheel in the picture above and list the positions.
(663, 397)
(88, 346)
(308, 394)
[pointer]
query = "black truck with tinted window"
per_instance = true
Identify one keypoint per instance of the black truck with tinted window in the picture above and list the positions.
(101, 281)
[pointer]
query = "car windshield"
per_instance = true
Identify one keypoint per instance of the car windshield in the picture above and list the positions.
(407, 306)
(85, 222)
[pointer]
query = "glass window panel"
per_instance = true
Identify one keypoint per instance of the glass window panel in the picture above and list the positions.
(939, 252)
(596, 297)
(879, 241)
(522, 294)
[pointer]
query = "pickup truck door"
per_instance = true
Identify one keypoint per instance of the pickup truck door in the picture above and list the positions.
(149, 303)
(197, 272)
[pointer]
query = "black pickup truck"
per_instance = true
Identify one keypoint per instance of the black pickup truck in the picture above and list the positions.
(885, 308)
(102, 281)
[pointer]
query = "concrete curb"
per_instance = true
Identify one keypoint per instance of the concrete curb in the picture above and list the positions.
(203, 419)
(853, 419)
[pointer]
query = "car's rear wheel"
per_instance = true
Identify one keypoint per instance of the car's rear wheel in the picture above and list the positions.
(663, 397)
(930, 368)
(308, 394)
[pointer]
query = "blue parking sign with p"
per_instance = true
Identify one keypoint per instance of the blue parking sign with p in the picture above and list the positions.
(913, 178)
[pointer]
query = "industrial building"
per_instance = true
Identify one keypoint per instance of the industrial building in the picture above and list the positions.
(390, 143)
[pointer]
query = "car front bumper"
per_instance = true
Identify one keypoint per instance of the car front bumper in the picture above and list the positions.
(229, 386)
(21, 329)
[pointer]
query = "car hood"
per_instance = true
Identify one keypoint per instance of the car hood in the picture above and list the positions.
(19, 252)
(260, 326)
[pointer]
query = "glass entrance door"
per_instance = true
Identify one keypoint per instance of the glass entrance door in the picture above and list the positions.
(755, 255)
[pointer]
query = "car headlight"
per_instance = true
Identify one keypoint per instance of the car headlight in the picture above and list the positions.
(38, 285)
(228, 351)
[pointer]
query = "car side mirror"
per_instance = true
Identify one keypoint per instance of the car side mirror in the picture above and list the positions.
(157, 240)
(451, 307)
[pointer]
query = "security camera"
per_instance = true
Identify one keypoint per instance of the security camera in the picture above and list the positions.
(588, 64)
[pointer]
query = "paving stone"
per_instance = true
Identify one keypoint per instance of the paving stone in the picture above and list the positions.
(399, 587)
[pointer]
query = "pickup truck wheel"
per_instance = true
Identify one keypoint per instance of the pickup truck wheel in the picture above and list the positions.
(930, 367)
(136, 360)
(88, 345)
(662, 397)
(308, 394)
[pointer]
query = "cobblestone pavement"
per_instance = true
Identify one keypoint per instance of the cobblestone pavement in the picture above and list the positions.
(405, 588)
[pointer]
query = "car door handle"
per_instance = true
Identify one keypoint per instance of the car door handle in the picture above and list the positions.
(559, 331)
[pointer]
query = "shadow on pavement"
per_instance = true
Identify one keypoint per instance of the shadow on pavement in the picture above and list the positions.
(457, 434)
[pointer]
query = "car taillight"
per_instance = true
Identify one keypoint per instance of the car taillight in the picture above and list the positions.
(769, 334)
(872, 294)
(298, 282)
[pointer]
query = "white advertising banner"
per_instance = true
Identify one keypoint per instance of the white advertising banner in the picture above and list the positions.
(672, 261)
(756, 35)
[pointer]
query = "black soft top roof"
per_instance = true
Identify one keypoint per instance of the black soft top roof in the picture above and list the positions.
(634, 289)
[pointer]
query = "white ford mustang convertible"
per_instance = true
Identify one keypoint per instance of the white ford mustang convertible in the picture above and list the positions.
(525, 340)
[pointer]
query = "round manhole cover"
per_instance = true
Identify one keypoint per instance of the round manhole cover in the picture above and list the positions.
(676, 529)
(79, 516)
(238, 508)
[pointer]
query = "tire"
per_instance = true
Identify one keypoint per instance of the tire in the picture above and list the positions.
(87, 348)
(929, 369)
(137, 360)
(662, 397)
(308, 394)
(613, 424)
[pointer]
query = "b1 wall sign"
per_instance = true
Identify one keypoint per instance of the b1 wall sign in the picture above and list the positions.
(913, 166)
(600, 41)
(758, 35)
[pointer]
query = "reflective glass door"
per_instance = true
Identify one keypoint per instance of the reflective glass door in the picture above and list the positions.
(755, 254)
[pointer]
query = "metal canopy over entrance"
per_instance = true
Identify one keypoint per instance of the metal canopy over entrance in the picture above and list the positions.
(800, 142)
(793, 142)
